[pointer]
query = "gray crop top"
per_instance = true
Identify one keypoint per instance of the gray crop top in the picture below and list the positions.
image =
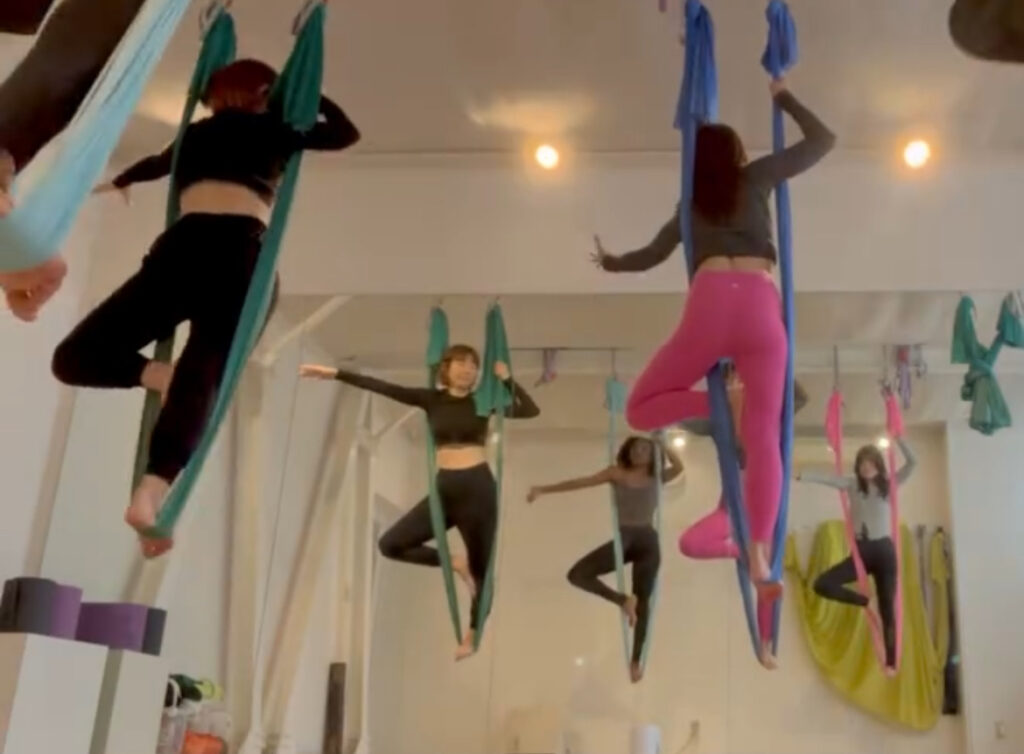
(870, 513)
(635, 505)
(748, 233)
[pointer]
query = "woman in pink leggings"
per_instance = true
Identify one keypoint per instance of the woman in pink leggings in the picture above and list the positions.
(710, 538)
(733, 310)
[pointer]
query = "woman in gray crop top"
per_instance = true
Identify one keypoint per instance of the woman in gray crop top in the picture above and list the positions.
(868, 490)
(635, 491)
(733, 310)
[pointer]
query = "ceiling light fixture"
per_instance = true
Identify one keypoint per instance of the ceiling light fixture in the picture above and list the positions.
(547, 156)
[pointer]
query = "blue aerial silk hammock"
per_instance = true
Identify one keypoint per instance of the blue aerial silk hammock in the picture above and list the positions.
(51, 190)
(698, 103)
(297, 97)
(615, 401)
(490, 397)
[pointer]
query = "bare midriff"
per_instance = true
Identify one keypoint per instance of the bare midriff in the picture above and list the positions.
(737, 264)
(457, 457)
(223, 198)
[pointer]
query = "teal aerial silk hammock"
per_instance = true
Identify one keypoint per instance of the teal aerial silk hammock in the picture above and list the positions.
(616, 393)
(219, 47)
(698, 104)
(491, 397)
(51, 190)
(297, 96)
(989, 411)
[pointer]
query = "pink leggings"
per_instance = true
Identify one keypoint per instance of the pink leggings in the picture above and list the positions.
(737, 316)
(711, 539)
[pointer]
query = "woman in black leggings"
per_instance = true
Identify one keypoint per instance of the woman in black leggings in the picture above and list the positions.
(197, 270)
(635, 492)
(870, 511)
(465, 483)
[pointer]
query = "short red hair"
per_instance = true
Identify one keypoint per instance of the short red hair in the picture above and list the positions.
(246, 77)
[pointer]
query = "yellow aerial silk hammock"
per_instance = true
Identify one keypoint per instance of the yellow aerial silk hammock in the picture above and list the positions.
(840, 641)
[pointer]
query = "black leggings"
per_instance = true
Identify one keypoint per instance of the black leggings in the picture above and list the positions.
(469, 498)
(641, 548)
(39, 98)
(879, 556)
(198, 270)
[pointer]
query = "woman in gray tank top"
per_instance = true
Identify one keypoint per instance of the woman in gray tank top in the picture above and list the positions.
(635, 490)
(868, 489)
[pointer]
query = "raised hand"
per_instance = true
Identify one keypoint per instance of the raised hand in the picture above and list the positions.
(501, 370)
(317, 372)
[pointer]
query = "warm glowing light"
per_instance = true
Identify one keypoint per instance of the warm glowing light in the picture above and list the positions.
(579, 662)
(917, 153)
(679, 441)
(547, 157)
(883, 443)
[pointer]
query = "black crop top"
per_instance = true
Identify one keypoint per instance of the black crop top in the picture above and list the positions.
(452, 420)
(245, 148)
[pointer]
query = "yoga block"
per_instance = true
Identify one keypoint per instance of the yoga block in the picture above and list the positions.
(27, 605)
(49, 691)
(118, 625)
(130, 704)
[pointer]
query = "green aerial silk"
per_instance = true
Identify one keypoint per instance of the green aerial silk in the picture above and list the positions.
(840, 640)
(615, 401)
(297, 96)
(219, 45)
(491, 397)
(989, 411)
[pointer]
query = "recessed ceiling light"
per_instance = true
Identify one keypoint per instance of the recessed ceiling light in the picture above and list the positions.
(917, 153)
(547, 156)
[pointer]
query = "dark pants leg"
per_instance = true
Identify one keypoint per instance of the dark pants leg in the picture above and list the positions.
(644, 552)
(469, 500)
(199, 270)
(40, 97)
(586, 573)
(832, 585)
(880, 561)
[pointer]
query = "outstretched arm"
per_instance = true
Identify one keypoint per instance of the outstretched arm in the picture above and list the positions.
(523, 406)
(570, 485)
(150, 168)
(909, 461)
(818, 141)
(829, 480)
(657, 251)
(410, 396)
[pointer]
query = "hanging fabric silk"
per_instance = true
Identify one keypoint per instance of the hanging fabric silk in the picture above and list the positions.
(698, 103)
(52, 188)
(989, 29)
(834, 434)
(491, 397)
(779, 57)
(615, 401)
(297, 96)
(989, 411)
(219, 46)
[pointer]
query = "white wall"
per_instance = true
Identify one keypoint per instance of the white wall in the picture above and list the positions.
(35, 407)
(484, 224)
(988, 520)
(701, 667)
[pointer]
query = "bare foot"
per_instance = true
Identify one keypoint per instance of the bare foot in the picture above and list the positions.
(157, 377)
(636, 673)
(461, 568)
(142, 513)
(22, 306)
(767, 656)
(761, 573)
(465, 649)
(890, 671)
(6, 204)
(629, 608)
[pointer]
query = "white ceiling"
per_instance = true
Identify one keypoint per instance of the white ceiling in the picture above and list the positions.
(388, 333)
(465, 75)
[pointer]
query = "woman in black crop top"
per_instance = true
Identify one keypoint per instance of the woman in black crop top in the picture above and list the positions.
(733, 310)
(197, 270)
(464, 480)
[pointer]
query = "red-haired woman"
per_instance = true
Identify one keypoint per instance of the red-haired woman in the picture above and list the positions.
(465, 483)
(733, 310)
(197, 270)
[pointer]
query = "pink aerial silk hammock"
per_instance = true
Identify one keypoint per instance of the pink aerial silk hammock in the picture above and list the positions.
(894, 428)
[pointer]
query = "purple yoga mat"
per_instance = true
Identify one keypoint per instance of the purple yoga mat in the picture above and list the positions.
(116, 625)
(67, 605)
